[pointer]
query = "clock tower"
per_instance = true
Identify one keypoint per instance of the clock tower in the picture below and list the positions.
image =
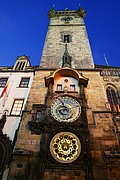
(64, 150)
(53, 139)
(70, 127)
(67, 27)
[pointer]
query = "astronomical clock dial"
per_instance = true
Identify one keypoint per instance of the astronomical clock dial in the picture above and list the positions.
(65, 109)
(65, 147)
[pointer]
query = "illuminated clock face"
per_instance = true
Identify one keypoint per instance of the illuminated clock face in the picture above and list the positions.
(65, 109)
(65, 147)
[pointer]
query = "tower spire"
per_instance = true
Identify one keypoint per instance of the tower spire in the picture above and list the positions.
(66, 60)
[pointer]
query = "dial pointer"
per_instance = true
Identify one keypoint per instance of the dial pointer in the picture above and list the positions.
(61, 101)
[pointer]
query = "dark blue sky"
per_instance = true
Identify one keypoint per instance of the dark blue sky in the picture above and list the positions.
(23, 27)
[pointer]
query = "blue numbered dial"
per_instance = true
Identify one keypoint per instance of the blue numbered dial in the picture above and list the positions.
(65, 109)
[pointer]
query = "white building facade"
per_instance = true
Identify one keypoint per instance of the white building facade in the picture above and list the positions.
(15, 84)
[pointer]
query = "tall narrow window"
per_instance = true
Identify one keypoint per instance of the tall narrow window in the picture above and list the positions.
(17, 107)
(3, 82)
(24, 82)
(66, 38)
(112, 99)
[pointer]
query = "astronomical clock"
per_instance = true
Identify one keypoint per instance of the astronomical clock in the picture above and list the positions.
(65, 142)
(65, 147)
(65, 109)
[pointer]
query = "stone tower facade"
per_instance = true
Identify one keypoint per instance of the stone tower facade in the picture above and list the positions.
(70, 127)
(67, 27)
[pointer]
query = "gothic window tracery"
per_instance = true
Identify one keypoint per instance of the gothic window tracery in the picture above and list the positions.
(113, 100)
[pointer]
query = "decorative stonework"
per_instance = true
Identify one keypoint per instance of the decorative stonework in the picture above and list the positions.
(110, 72)
(112, 158)
(36, 127)
(80, 12)
(111, 79)
(5, 152)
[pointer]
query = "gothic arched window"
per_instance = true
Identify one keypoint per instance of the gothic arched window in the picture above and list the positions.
(113, 99)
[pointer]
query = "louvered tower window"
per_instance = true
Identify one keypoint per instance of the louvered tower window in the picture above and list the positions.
(113, 99)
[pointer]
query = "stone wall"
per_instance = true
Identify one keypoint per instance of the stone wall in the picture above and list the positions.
(79, 47)
(103, 136)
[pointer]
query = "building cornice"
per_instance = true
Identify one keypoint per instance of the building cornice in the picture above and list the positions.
(80, 12)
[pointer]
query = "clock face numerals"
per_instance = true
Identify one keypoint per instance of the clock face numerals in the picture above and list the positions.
(65, 109)
(65, 147)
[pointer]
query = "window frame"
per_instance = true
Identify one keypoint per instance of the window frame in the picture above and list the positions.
(113, 99)
(59, 86)
(72, 87)
(66, 38)
(17, 108)
(3, 83)
(39, 115)
(23, 84)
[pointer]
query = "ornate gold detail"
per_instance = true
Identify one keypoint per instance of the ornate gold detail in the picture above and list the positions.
(65, 147)
(113, 79)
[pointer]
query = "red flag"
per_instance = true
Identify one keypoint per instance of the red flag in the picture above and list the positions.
(4, 90)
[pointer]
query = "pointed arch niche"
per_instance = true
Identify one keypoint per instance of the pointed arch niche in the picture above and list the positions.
(5, 152)
(113, 98)
(66, 80)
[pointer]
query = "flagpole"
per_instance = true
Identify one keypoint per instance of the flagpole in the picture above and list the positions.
(106, 61)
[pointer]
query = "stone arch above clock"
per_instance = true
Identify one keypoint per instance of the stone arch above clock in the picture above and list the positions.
(61, 76)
